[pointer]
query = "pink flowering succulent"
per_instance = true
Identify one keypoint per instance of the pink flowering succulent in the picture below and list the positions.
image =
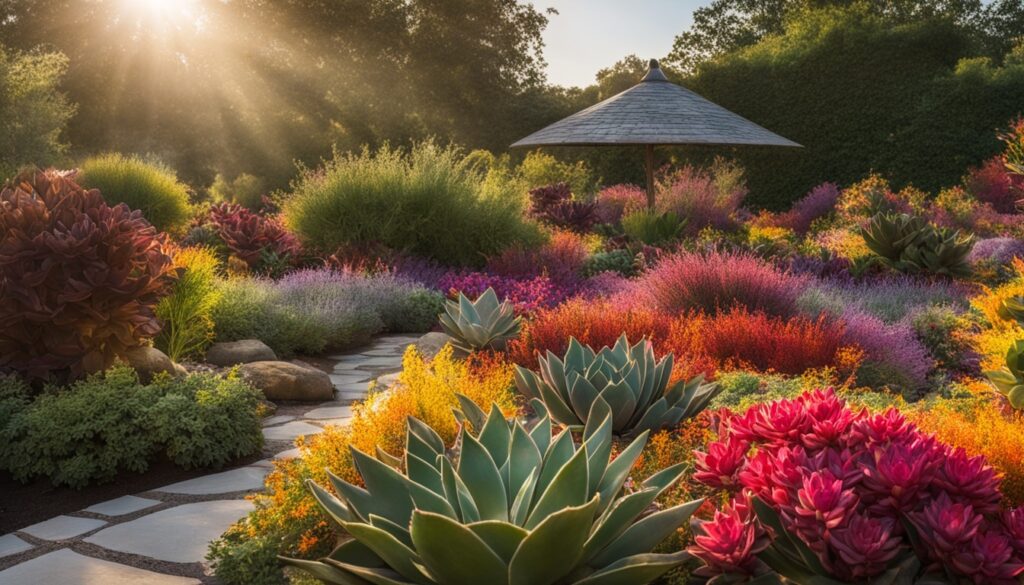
(851, 496)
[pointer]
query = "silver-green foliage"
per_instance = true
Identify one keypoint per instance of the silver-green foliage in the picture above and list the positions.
(624, 381)
(484, 323)
(518, 507)
(911, 245)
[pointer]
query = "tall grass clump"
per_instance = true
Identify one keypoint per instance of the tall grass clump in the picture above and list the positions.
(150, 188)
(429, 201)
(692, 281)
(185, 313)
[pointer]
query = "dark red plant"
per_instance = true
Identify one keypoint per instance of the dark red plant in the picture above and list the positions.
(554, 205)
(251, 236)
(850, 496)
(79, 280)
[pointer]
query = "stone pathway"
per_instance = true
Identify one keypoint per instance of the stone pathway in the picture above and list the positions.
(160, 537)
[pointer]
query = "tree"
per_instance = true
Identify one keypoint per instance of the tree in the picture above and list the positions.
(33, 112)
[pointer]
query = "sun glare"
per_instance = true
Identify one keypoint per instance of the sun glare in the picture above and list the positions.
(153, 16)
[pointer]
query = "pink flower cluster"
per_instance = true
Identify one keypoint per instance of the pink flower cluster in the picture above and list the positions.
(854, 486)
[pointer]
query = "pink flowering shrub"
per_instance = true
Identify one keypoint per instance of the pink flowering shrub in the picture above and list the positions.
(704, 197)
(619, 200)
(820, 202)
(561, 258)
(818, 489)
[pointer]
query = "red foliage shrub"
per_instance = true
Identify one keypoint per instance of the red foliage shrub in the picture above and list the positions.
(79, 280)
(561, 259)
(594, 323)
(619, 200)
(716, 281)
(251, 236)
(741, 339)
(992, 183)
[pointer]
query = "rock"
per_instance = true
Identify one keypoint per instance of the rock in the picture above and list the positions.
(149, 361)
(230, 353)
(287, 381)
(430, 344)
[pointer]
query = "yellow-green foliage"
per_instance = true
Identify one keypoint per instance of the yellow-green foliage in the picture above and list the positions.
(187, 325)
(540, 169)
(287, 519)
(245, 190)
(993, 341)
(150, 188)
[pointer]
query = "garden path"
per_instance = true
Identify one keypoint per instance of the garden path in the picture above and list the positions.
(160, 537)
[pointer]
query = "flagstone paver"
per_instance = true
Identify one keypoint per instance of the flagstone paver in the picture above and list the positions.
(290, 431)
(234, 480)
(64, 567)
(10, 544)
(181, 533)
(63, 527)
(178, 535)
(123, 505)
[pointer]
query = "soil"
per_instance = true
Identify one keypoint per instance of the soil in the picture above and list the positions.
(22, 504)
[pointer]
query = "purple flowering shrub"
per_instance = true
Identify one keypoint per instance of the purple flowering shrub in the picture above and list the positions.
(998, 251)
(704, 197)
(820, 202)
(619, 200)
(820, 490)
(894, 356)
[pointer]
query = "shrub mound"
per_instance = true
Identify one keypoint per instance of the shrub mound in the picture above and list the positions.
(152, 189)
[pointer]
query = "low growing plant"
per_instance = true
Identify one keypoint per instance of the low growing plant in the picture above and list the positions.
(653, 228)
(465, 521)
(909, 244)
(484, 323)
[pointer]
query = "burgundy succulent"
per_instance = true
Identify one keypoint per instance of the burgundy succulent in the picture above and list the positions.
(251, 236)
(79, 280)
(988, 559)
(971, 479)
(898, 474)
(947, 525)
(864, 546)
(729, 542)
(823, 501)
(720, 465)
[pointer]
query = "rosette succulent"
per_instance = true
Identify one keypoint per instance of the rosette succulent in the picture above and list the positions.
(1009, 380)
(911, 245)
(625, 381)
(484, 323)
(516, 507)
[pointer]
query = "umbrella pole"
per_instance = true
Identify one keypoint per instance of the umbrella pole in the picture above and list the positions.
(650, 175)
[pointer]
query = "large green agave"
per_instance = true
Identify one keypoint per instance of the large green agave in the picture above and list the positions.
(623, 381)
(911, 245)
(518, 508)
(1009, 380)
(484, 323)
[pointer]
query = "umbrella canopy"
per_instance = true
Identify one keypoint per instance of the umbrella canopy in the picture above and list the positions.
(654, 112)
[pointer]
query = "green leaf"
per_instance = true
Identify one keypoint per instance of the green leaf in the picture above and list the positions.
(521, 505)
(427, 444)
(354, 552)
(617, 519)
(558, 454)
(388, 487)
(618, 470)
(599, 449)
(503, 538)
(568, 488)
(646, 534)
(636, 570)
(524, 459)
(473, 413)
(554, 547)
(375, 576)
(325, 572)
(334, 507)
(399, 532)
(496, 436)
(396, 555)
(482, 478)
(423, 473)
(453, 554)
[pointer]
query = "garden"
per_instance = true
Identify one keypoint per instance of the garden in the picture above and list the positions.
(414, 362)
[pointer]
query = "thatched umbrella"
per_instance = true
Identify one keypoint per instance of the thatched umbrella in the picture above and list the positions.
(651, 113)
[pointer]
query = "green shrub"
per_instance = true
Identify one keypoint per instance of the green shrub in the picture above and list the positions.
(109, 423)
(246, 309)
(245, 190)
(150, 188)
(652, 228)
(429, 202)
(540, 169)
(621, 261)
(249, 559)
(187, 326)
(415, 312)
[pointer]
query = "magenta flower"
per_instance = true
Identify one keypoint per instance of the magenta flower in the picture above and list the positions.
(865, 546)
(729, 542)
(719, 467)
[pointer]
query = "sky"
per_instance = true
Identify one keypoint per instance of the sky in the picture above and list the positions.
(588, 35)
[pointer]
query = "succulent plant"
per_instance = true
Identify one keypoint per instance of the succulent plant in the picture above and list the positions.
(1009, 380)
(911, 245)
(624, 381)
(518, 507)
(653, 228)
(260, 241)
(479, 324)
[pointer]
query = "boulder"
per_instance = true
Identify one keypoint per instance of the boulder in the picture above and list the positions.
(149, 361)
(230, 353)
(288, 381)
(430, 344)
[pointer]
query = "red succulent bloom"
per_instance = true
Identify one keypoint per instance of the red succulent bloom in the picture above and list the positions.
(782, 422)
(946, 526)
(899, 472)
(988, 560)
(1013, 522)
(970, 478)
(729, 542)
(830, 417)
(719, 467)
(865, 546)
(882, 428)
